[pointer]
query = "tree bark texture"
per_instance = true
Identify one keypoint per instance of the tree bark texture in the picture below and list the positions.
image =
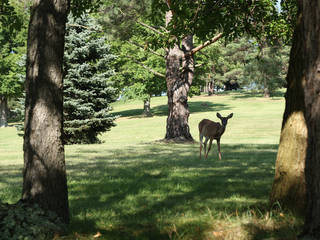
(289, 182)
(311, 64)
(3, 111)
(179, 76)
(44, 172)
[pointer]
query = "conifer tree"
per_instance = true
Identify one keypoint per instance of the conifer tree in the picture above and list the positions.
(88, 90)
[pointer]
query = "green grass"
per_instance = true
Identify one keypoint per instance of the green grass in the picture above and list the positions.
(135, 187)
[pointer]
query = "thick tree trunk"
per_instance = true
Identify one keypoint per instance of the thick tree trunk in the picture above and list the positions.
(179, 75)
(311, 63)
(3, 111)
(289, 182)
(44, 173)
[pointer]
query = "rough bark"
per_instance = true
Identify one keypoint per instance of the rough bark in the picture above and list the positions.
(3, 111)
(44, 173)
(179, 76)
(289, 181)
(311, 45)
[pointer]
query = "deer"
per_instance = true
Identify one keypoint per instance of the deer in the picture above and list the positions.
(212, 130)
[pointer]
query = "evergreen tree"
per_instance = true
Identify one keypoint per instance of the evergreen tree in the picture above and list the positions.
(88, 90)
(229, 66)
(267, 68)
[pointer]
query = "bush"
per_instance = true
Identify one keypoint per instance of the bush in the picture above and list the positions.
(27, 221)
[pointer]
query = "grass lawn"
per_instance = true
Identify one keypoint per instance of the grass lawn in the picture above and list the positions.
(134, 187)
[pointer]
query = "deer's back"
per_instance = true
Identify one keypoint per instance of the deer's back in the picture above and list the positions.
(209, 128)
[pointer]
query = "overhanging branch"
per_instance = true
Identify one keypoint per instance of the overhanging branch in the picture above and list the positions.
(205, 44)
(149, 27)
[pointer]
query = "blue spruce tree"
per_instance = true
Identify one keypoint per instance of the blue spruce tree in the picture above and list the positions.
(88, 90)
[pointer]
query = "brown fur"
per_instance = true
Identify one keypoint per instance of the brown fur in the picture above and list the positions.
(212, 130)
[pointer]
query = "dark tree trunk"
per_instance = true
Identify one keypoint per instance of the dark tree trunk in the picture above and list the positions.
(3, 111)
(311, 70)
(44, 173)
(146, 107)
(289, 181)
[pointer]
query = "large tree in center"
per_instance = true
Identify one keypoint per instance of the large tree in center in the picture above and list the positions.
(179, 76)
(44, 173)
(173, 26)
(208, 21)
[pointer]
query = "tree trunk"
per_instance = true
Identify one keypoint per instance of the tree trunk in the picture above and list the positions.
(289, 181)
(210, 87)
(146, 107)
(3, 112)
(179, 75)
(266, 92)
(311, 70)
(44, 173)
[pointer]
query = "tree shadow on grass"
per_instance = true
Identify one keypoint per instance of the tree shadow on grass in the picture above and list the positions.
(159, 191)
(162, 110)
(257, 94)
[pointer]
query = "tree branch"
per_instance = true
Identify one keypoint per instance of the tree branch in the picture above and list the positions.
(144, 48)
(147, 68)
(85, 27)
(149, 27)
(205, 44)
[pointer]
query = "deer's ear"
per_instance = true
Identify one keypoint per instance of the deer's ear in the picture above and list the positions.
(230, 115)
(218, 115)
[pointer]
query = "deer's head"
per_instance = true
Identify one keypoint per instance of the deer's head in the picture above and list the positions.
(224, 120)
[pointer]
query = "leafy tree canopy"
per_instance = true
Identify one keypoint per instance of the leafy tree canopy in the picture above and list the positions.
(206, 18)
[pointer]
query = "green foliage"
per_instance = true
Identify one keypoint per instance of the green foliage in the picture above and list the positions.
(13, 32)
(78, 7)
(120, 17)
(229, 65)
(205, 18)
(23, 221)
(267, 68)
(88, 90)
(135, 67)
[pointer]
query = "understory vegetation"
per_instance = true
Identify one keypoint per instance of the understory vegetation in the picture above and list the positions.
(133, 186)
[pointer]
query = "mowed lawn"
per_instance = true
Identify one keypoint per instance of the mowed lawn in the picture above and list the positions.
(133, 186)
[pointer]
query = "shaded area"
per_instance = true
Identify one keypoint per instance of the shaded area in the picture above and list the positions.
(162, 110)
(165, 190)
(161, 191)
(256, 94)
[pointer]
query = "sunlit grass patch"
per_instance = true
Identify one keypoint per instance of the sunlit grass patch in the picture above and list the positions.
(133, 186)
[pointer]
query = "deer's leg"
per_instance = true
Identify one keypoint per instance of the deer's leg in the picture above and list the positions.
(210, 143)
(218, 143)
(200, 138)
(205, 147)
